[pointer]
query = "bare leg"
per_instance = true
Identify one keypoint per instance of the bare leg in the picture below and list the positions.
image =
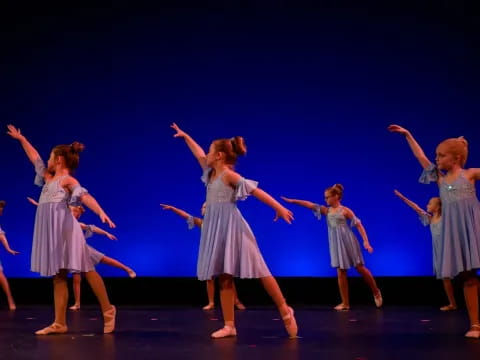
(236, 300)
(226, 301)
(108, 310)
(452, 304)
(343, 287)
(470, 291)
(210, 294)
(77, 280)
(6, 289)
(370, 280)
(60, 295)
(115, 263)
(271, 286)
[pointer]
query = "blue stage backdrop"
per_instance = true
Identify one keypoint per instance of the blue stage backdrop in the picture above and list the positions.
(312, 91)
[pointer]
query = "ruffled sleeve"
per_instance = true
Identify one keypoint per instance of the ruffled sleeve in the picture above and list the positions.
(89, 231)
(39, 172)
(244, 188)
(77, 193)
(206, 175)
(355, 221)
(429, 174)
(317, 211)
(424, 219)
(190, 222)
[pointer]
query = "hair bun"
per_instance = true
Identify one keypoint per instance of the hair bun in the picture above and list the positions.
(238, 145)
(77, 147)
(338, 186)
(463, 140)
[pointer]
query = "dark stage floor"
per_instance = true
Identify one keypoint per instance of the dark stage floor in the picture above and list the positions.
(183, 333)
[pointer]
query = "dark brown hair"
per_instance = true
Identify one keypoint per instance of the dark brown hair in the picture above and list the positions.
(232, 148)
(336, 189)
(70, 153)
(2, 203)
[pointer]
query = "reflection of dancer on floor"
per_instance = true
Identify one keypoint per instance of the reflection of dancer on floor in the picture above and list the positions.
(228, 247)
(95, 255)
(59, 246)
(460, 229)
(433, 218)
(195, 221)
(343, 244)
(3, 278)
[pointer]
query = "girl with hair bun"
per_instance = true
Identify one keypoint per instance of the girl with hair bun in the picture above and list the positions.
(227, 245)
(460, 225)
(59, 246)
(343, 244)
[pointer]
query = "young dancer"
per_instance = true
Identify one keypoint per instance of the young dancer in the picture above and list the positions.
(59, 245)
(344, 248)
(227, 246)
(96, 256)
(3, 279)
(432, 217)
(195, 221)
(460, 224)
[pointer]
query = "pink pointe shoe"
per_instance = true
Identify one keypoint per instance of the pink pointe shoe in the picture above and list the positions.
(75, 307)
(55, 328)
(109, 320)
(341, 307)
(474, 332)
(226, 331)
(378, 299)
(209, 306)
(239, 305)
(290, 324)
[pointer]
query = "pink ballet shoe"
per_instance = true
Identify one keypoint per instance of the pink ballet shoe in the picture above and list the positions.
(55, 328)
(12, 307)
(474, 332)
(74, 307)
(342, 307)
(109, 320)
(210, 306)
(132, 274)
(226, 331)
(239, 305)
(448, 308)
(378, 299)
(290, 323)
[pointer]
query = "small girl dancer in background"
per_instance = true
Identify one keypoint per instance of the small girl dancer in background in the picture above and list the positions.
(433, 217)
(59, 245)
(460, 224)
(195, 221)
(95, 255)
(3, 278)
(343, 245)
(227, 246)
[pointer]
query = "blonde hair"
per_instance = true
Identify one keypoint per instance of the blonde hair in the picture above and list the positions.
(336, 189)
(457, 147)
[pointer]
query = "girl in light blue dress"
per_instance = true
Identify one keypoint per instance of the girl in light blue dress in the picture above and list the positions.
(432, 218)
(460, 224)
(3, 279)
(343, 245)
(227, 246)
(59, 245)
(196, 221)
